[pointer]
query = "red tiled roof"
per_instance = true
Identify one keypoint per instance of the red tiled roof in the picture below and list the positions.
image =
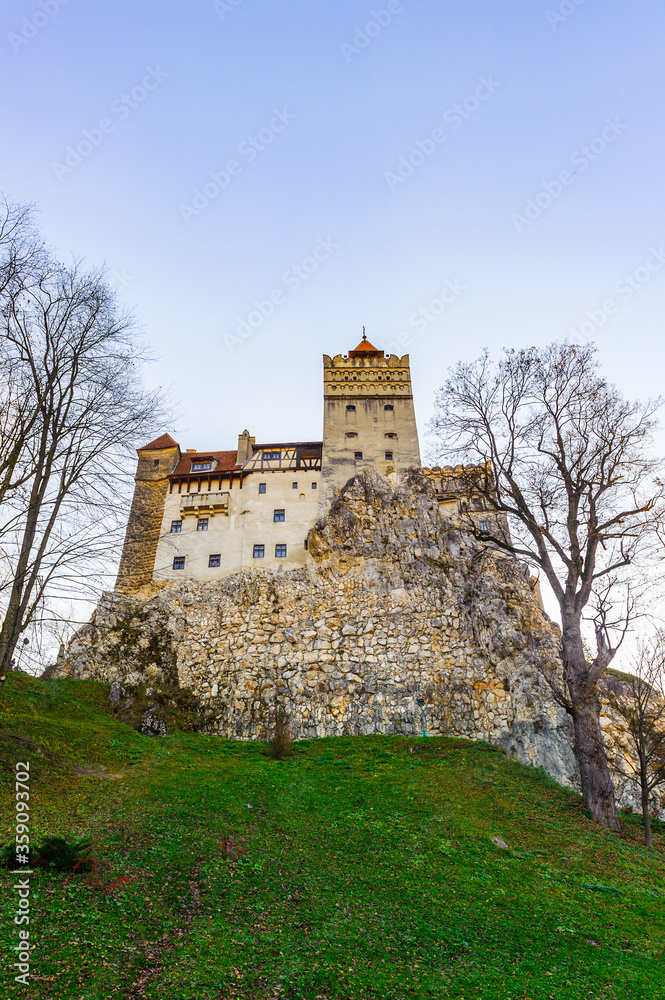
(222, 461)
(364, 347)
(165, 441)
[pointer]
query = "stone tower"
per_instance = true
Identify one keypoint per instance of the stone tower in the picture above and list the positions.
(369, 419)
(157, 461)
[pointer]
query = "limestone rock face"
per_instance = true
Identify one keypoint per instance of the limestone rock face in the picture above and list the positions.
(396, 604)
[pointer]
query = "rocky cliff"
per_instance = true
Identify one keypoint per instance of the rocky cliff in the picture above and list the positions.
(397, 606)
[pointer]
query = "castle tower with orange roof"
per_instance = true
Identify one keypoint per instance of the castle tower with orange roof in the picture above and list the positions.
(369, 420)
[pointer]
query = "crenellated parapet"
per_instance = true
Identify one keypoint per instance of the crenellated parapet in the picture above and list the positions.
(366, 373)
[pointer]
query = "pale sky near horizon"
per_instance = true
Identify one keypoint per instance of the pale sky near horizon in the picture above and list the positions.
(487, 174)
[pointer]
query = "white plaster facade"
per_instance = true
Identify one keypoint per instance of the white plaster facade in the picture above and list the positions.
(248, 521)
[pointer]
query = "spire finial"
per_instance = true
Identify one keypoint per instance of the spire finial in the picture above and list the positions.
(364, 334)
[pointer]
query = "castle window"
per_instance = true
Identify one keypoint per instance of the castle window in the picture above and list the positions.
(484, 526)
(390, 435)
(352, 434)
(388, 406)
(389, 456)
(294, 486)
(214, 561)
(314, 485)
(358, 456)
(155, 463)
(272, 456)
(201, 466)
(259, 551)
(262, 487)
(280, 552)
(279, 515)
(350, 408)
(202, 524)
(176, 526)
(178, 562)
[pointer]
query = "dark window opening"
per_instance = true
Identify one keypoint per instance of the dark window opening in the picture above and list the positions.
(314, 485)
(259, 551)
(155, 463)
(358, 456)
(389, 406)
(280, 551)
(351, 408)
(202, 524)
(279, 515)
(389, 456)
(262, 487)
(176, 526)
(352, 434)
(201, 466)
(272, 456)
(214, 561)
(484, 526)
(294, 486)
(178, 562)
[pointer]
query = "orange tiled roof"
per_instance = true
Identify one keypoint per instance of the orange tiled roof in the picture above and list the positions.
(365, 347)
(222, 461)
(165, 441)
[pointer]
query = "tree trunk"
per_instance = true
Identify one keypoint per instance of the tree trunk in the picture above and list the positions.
(645, 808)
(595, 777)
(597, 784)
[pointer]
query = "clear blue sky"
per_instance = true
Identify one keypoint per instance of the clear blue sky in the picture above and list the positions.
(180, 88)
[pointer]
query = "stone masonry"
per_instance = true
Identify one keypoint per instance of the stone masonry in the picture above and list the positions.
(155, 465)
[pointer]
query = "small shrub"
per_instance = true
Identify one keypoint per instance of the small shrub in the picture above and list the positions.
(281, 744)
(55, 853)
(8, 858)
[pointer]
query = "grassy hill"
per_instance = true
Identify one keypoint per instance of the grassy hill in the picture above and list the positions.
(361, 867)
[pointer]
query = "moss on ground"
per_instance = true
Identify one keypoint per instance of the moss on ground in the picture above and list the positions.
(361, 867)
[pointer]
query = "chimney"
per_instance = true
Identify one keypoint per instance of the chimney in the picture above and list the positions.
(245, 447)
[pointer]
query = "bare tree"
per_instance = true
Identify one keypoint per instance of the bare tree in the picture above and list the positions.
(74, 407)
(570, 487)
(640, 700)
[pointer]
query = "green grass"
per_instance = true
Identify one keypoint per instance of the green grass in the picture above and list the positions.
(363, 869)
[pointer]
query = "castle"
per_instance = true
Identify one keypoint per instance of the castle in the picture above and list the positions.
(335, 580)
(203, 515)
